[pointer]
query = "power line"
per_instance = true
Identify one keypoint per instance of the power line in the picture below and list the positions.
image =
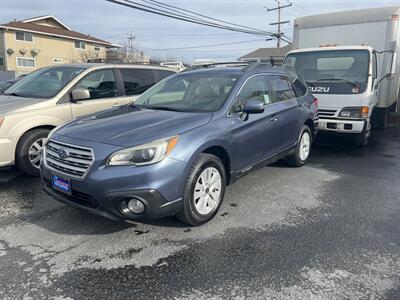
(205, 46)
(200, 15)
(153, 10)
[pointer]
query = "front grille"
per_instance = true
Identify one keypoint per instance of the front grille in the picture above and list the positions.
(75, 164)
(326, 112)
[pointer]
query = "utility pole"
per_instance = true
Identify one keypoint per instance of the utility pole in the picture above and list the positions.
(131, 38)
(279, 8)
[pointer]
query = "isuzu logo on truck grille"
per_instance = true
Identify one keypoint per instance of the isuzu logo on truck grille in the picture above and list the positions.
(319, 89)
(63, 153)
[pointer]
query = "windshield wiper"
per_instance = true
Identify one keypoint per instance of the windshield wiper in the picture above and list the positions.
(15, 95)
(164, 108)
(354, 84)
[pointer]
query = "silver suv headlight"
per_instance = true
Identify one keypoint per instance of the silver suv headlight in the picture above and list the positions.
(144, 154)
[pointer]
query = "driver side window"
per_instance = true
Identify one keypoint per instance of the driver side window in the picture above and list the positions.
(254, 88)
(101, 84)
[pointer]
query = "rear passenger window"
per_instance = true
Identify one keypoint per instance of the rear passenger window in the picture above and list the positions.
(137, 81)
(299, 88)
(162, 74)
(282, 88)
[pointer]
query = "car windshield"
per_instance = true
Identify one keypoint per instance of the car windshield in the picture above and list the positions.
(190, 92)
(341, 70)
(44, 83)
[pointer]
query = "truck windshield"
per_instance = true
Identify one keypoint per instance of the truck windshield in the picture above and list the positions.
(44, 83)
(190, 92)
(333, 72)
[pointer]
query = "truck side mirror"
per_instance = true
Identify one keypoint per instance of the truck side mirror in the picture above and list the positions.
(394, 64)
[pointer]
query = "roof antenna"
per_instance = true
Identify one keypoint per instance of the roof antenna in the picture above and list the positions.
(272, 61)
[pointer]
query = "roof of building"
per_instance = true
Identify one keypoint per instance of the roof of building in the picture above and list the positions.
(267, 53)
(62, 31)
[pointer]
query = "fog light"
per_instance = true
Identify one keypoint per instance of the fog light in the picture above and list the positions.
(136, 206)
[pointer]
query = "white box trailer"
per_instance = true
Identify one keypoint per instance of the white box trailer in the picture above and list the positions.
(326, 38)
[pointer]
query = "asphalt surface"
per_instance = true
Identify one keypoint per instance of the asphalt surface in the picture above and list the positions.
(329, 230)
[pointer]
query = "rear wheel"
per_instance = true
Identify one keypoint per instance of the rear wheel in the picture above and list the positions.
(303, 149)
(29, 151)
(204, 190)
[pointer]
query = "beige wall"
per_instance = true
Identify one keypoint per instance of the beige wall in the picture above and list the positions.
(49, 48)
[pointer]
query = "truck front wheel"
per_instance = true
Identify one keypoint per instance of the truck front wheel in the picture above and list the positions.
(362, 138)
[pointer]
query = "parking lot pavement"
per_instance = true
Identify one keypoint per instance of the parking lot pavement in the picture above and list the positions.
(329, 230)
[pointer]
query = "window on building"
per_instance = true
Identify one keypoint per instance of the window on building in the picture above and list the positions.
(1, 61)
(80, 45)
(96, 48)
(24, 36)
(23, 62)
(57, 60)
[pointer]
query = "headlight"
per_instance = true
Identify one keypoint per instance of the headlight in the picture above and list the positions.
(144, 154)
(355, 112)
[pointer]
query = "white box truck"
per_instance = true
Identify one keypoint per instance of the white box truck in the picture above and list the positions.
(349, 60)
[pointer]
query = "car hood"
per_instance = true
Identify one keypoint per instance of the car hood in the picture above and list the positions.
(129, 126)
(10, 103)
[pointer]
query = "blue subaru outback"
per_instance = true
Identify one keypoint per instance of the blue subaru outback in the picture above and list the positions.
(176, 148)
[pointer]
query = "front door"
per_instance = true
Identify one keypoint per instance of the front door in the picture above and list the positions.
(254, 137)
(104, 93)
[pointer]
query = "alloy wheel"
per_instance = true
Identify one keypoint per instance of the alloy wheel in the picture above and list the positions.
(35, 152)
(207, 191)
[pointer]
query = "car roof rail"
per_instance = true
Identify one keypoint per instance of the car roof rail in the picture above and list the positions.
(217, 65)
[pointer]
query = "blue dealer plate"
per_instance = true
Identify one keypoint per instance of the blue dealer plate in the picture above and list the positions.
(61, 184)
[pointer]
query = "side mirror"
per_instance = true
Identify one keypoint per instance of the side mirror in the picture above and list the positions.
(80, 94)
(254, 106)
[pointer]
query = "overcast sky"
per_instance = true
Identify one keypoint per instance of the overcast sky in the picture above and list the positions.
(155, 33)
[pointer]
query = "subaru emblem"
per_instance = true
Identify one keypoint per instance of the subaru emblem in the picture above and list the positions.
(63, 153)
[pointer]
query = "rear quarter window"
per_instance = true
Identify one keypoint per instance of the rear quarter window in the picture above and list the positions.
(299, 88)
(162, 74)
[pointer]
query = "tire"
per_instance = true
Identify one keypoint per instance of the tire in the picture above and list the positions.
(302, 152)
(198, 191)
(361, 139)
(30, 141)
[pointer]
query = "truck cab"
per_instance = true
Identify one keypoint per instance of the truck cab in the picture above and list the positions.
(345, 81)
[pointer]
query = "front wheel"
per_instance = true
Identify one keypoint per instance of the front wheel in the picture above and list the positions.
(361, 139)
(29, 151)
(303, 149)
(204, 190)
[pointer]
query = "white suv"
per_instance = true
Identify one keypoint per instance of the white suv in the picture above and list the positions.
(51, 96)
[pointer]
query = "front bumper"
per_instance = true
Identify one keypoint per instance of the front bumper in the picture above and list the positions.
(103, 189)
(341, 126)
(7, 152)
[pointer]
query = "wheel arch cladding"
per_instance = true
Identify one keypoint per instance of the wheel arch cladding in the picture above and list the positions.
(223, 155)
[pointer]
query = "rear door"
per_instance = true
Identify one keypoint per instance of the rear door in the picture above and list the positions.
(254, 138)
(136, 81)
(104, 92)
(290, 112)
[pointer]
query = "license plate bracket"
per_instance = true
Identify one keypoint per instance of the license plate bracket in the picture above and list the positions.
(61, 184)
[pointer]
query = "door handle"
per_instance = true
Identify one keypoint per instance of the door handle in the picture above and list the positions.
(274, 119)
